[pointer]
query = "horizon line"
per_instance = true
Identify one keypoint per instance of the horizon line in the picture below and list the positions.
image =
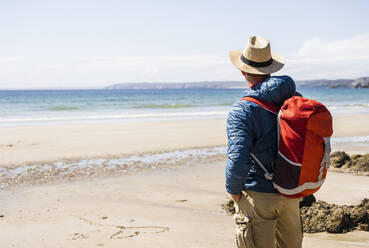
(145, 82)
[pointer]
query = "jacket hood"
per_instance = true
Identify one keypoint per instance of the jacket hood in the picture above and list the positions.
(275, 89)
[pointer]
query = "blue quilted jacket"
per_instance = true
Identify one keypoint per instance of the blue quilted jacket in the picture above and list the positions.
(251, 129)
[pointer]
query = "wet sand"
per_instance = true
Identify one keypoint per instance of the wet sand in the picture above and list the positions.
(169, 207)
(76, 141)
(173, 208)
(24, 144)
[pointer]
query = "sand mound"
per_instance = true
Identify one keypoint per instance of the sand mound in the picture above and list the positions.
(338, 159)
(356, 163)
(320, 216)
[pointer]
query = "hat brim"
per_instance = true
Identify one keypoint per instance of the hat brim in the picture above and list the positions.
(276, 65)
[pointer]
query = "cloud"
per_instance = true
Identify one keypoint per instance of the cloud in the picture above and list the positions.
(155, 68)
(347, 58)
(316, 58)
(150, 61)
(347, 49)
(102, 71)
(11, 60)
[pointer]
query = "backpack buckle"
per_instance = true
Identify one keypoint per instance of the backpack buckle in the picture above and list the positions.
(268, 176)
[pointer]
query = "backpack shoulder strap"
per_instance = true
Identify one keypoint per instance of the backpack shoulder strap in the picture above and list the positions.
(273, 109)
(266, 105)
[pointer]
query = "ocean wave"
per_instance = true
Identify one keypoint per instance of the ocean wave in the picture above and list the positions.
(164, 106)
(365, 105)
(59, 170)
(229, 104)
(86, 168)
(62, 108)
(347, 105)
(114, 117)
(350, 139)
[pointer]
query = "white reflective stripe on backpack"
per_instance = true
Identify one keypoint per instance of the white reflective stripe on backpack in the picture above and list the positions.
(289, 161)
(326, 161)
(299, 189)
(327, 151)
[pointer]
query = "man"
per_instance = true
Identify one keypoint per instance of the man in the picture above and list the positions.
(263, 217)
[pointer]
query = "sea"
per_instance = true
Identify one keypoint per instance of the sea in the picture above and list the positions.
(53, 107)
(38, 107)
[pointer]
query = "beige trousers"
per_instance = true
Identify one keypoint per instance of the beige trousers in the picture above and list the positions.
(267, 220)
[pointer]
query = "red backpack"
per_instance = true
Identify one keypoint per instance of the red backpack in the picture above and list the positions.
(304, 131)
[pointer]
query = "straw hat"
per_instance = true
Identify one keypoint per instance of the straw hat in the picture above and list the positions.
(257, 58)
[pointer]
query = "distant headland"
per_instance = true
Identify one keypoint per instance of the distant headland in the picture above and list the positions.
(362, 82)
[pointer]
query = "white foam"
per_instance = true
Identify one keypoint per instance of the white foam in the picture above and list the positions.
(103, 166)
(108, 166)
(82, 117)
(350, 139)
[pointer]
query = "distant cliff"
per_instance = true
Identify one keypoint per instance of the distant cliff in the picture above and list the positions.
(189, 85)
(338, 83)
(361, 83)
(347, 83)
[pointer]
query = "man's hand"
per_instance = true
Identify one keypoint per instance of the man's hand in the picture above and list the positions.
(236, 198)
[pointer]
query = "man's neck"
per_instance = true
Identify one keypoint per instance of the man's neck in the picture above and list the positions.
(252, 83)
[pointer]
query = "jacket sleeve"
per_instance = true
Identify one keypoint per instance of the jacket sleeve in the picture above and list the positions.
(240, 137)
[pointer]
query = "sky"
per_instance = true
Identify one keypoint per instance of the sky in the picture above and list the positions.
(96, 43)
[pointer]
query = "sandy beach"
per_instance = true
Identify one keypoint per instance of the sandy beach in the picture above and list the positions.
(176, 206)
(113, 120)
(25, 144)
